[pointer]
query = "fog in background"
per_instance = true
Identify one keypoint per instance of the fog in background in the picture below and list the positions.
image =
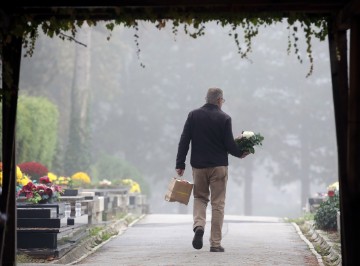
(137, 113)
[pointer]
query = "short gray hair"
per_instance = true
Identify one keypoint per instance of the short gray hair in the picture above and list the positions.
(213, 95)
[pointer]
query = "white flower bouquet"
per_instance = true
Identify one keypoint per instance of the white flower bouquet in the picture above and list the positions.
(248, 141)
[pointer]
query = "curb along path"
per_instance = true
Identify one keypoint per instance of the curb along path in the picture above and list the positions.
(92, 244)
(329, 249)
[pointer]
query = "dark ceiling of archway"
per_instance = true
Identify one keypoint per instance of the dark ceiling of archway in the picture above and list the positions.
(108, 9)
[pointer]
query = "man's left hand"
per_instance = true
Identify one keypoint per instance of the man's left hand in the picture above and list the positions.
(239, 137)
(244, 154)
(180, 172)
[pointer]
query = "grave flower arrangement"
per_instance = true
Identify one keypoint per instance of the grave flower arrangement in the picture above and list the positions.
(333, 189)
(105, 183)
(34, 170)
(80, 180)
(0, 174)
(42, 192)
(21, 179)
(248, 140)
(133, 185)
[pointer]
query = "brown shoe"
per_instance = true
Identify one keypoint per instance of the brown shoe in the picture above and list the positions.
(217, 249)
(198, 237)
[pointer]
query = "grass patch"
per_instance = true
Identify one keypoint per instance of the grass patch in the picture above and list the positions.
(120, 215)
(101, 234)
(105, 236)
(301, 220)
(95, 230)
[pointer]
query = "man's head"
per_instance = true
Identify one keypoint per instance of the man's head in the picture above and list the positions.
(215, 96)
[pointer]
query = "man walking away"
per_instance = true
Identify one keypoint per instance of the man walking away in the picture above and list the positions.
(209, 130)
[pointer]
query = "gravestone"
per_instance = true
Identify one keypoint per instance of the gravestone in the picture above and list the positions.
(39, 224)
(43, 230)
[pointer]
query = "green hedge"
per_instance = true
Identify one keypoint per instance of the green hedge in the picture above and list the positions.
(36, 130)
(326, 214)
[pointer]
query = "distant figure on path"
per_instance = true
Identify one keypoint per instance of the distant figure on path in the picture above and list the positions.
(209, 130)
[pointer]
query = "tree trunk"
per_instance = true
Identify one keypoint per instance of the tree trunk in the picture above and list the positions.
(77, 155)
(248, 181)
(305, 167)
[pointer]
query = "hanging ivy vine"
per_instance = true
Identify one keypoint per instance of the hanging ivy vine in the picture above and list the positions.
(194, 25)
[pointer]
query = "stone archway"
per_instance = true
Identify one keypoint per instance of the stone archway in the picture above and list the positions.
(346, 97)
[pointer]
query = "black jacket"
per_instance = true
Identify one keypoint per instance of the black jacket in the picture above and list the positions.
(210, 132)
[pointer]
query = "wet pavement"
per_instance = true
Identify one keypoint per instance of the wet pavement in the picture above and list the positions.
(160, 239)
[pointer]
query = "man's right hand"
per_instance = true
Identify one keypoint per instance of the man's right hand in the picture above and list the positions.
(180, 172)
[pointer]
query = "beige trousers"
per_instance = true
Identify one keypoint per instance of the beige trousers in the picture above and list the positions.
(210, 183)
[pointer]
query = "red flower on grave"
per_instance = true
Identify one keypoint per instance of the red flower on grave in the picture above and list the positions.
(33, 169)
(44, 180)
(29, 195)
(49, 191)
(40, 189)
(57, 188)
(331, 193)
(28, 187)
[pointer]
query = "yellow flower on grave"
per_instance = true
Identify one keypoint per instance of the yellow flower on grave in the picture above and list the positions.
(0, 173)
(52, 177)
(334, 186)
(134, 186)
(62, 180)
(21, 178)
(126, 181)
(19, 174)
(24, 180)
(81, 178)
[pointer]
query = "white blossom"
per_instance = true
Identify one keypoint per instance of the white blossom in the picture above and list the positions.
(248, 134)
(105, 182)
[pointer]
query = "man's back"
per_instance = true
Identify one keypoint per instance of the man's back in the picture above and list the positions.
(207, 134)
(209, 130)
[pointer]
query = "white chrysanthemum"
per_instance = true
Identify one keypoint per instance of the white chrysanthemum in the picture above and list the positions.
(105, 182)
(248, 134)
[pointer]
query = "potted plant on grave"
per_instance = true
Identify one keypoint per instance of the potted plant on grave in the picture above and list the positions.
(67, 183)
(21, 179)
(34, 170)
(105, 183)
(326, 215)
(80, 180)
(42, 192)
(133, 186)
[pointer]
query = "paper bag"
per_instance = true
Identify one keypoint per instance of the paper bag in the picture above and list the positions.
(179, 190)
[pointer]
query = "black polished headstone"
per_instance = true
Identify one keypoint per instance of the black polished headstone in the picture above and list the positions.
(59, 206)
(36, 213)
(38, 222)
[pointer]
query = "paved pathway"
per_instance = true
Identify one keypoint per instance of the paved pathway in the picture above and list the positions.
(166, 240)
